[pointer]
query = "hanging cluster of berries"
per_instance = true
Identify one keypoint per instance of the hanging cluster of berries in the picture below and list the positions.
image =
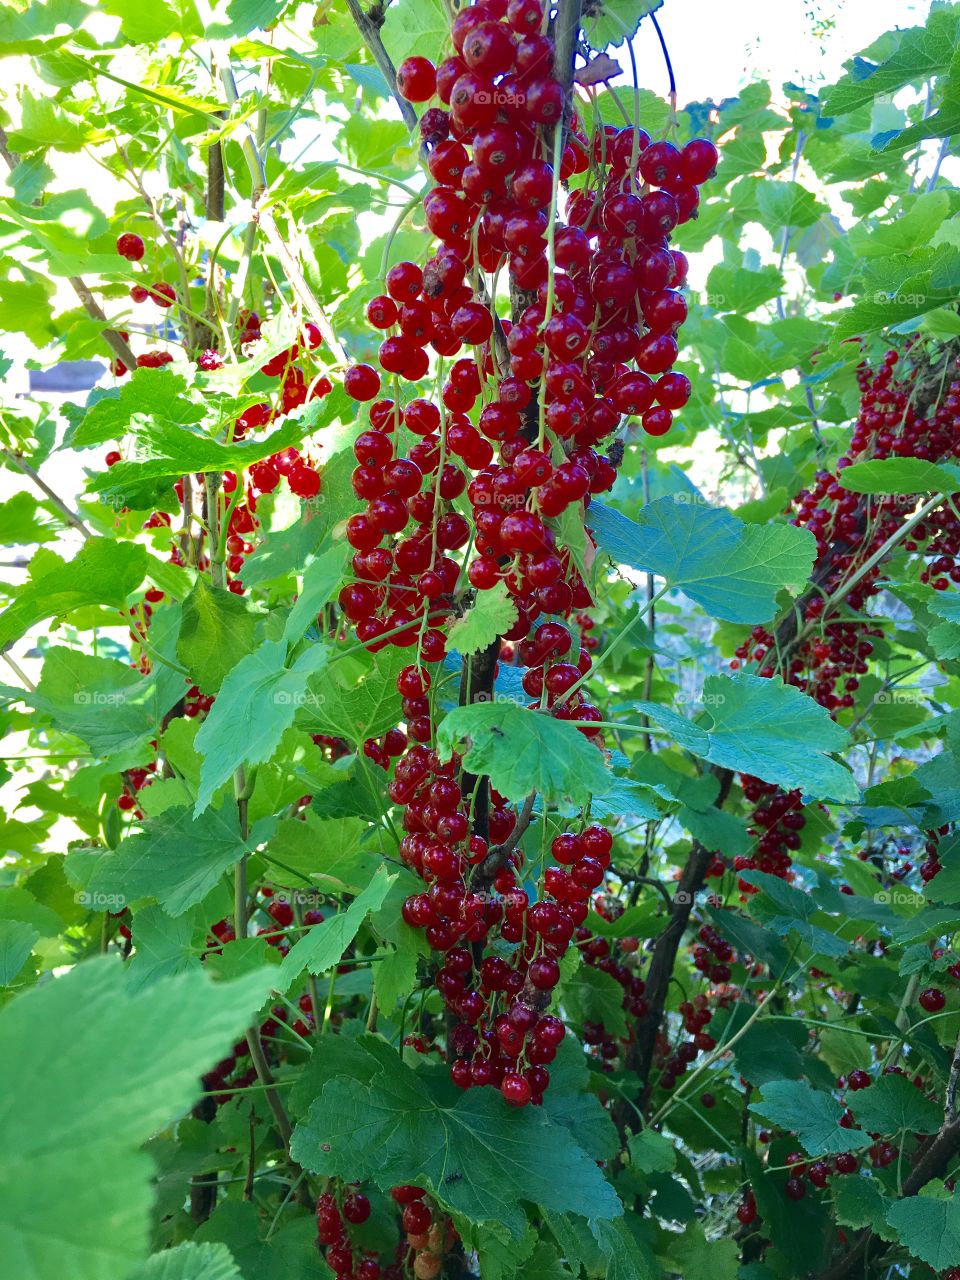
(828, 663)
(523, 423)
(502, 1034)
(428, 1235)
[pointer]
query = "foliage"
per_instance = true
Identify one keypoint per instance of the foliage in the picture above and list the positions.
(574, 890)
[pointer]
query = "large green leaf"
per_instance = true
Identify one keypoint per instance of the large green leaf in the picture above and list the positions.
(102, 701)
(111, 1069)
(176, 860)
(777, 733)
(733, 570)
(921, 52)
(929, 1228)
(479, 1158)
(255, 706)
(102, 572)
(812, 1114)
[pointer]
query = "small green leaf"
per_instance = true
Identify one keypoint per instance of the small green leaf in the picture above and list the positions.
(323, 944)
(900, 475)
(492, 614)
(255, 706)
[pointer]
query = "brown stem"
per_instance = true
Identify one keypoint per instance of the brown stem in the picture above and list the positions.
(369, 28)
(496, 859)
(24, 468)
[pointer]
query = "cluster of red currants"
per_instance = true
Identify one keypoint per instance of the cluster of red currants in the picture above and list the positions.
(428, 1237)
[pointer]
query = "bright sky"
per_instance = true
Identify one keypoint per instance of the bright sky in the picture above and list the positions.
(717, 48)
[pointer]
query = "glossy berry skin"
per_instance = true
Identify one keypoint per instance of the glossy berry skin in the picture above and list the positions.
(932, 999)
(515, 1089)
(698, 161)
(361, 382)
(416, 79)
(130, 246)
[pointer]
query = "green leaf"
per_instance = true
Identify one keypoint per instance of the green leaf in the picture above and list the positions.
(860, 1203)
(900, 475)
(34, 28)
(146, 394)
(166, 945)
(476, 1156)
(102, 701)
(45, 123)
(217, 629)
(355, 700)
(734, 288)
(395, 975)
(493, 613)
(787, 204)
(414, 27)
(189, 1261)
(777, 733)
(71, 1048)
(900, 288)
(242, 17)
(176, 860)
(893, 1104)
(102, 572)
(255, 706)
(523, 751)
(261, 1252)
(590, 995)
(731, 569)
(814, 1116)
(322, 945)
(320, 580)
(23, 521)
(922, 52)
(913, 224)
(766, 1054)
(928, 1228)
(651, 1152)
(16, 942)
(614, 21)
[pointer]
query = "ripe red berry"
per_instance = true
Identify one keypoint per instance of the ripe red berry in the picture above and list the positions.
(361, 382)
(932, 999)
(417, 79)
(515, 1089)
(130, 246)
